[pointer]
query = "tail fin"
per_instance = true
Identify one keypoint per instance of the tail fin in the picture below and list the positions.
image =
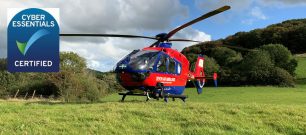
(199, 75)
(199, 72)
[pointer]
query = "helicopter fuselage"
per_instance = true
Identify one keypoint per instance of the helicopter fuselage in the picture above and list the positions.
(144, 69)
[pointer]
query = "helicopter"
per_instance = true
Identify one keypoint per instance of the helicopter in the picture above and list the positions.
(159, 71)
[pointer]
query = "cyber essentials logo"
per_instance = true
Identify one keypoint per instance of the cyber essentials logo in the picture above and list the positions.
(33, 40)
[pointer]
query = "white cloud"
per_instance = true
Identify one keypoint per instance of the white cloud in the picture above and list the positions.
(105, 16)
(282, 3)
(103, 56)
(254, 15)
(257, 13)
(190, 33)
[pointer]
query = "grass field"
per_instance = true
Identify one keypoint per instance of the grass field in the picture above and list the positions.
(223, 110)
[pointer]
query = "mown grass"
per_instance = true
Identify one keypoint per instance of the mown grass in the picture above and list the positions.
(301, 70)
(222, 110)
(266, 95)
(151, 118)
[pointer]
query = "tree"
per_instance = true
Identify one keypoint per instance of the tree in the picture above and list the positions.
(281, 77)
(225, 56)
(257, 66)
(291, 34)
(210, 66)
(72, 62)
(281, 57)
(75, 82)
(3, 64)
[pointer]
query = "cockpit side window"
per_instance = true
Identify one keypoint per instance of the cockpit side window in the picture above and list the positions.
(143, 60)
(171, 66)
(162, 64)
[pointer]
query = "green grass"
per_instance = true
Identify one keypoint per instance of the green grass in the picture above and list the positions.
(222, 110)
(301, 70)
(265, 95)
(151, 118)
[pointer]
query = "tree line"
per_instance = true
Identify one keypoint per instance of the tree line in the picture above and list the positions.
(258, 57)
(74, 82)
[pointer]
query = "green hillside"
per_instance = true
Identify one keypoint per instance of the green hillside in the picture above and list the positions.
(258, 57)
(290, 33)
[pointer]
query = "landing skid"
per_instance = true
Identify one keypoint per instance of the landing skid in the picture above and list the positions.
(173, 96)
(130, 94)
(146, 94)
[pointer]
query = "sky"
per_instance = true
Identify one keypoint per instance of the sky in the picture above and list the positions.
(149, 17)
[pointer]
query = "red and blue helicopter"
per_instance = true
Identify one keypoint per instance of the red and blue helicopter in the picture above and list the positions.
(158, 70)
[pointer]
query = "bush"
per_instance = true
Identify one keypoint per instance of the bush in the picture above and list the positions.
(72, 84)
(281, 77)
(281, 57)
(192, 58)
(6, 81)
(291, 66)
(256, 66)
(3, 64)
(110, 80)
(260, 70)
(81, 88)
(72, 62)
(210, 66)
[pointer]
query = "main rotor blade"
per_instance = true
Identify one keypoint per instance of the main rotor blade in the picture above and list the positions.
(106, 35)
(175, 39)
(238, 47)
(184, 40)
(234, 47)
(212, 13)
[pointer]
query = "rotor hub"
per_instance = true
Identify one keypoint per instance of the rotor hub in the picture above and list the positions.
(162, 37)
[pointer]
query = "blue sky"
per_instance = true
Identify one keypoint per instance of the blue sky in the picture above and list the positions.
(236, 20)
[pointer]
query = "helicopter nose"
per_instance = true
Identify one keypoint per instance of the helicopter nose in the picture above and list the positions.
(122, 66)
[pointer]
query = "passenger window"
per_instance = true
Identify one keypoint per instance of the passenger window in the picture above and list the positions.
(179, 68)
(171, 68)
(162, 64)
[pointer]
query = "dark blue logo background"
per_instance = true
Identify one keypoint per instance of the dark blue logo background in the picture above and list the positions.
(33, 42)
